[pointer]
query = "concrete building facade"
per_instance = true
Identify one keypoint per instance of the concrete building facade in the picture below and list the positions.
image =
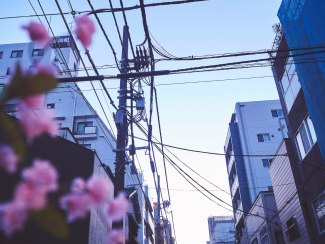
(256, 128)
(302, 219)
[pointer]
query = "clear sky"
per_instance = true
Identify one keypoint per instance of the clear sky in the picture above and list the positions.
(192, 115)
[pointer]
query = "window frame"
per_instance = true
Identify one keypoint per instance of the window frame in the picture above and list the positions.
(276, 113)
(38, 52)
(294, 225)
(19, 53)
(269, 160)
(306, 124)
(322, 193)
(264, 135)
(50, 105)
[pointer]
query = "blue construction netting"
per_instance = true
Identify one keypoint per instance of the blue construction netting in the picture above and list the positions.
(303, 24)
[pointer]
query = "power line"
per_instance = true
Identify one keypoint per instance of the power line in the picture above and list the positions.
(102, 10)
(82, 61)
(216, 153)
(290, 199)
(185, 175)
(105, 35)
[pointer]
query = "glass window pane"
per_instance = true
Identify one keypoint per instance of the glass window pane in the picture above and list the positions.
(266, 137)
(289, 99)
(295, 85)
(300, 146)
(311, 130)
(260, 138)
(304, 137)
(285, 83)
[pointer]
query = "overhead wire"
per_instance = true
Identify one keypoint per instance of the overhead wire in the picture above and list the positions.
(105, 35)
(82, 61)
(290, 199)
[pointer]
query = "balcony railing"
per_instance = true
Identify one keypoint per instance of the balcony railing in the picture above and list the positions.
(234, 186)
(230, 163)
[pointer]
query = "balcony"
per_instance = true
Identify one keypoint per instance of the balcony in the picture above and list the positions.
(234, 187)
(230, 163)
(88, 132)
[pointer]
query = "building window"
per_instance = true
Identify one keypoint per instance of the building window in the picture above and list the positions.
(263, 137)
(292, 231)
(319, 208)
(290, 84)
(86, 127)
(266, 162)
(1, 54)
(16, 54)
(277, 113)
(50, 105)
(8, 72)
(305, 137)
(38, 52)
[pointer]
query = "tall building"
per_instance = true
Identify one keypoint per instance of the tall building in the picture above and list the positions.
(221, 229)
(300, 202)
(302, 22)
(255, 128)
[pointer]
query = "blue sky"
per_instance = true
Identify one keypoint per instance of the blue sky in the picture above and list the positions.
(192, 115)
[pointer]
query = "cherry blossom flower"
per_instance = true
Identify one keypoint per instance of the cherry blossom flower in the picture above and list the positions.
(12, 217)
(117, 208)
(78, 186)
(35, 122)
(8, 159)
(116, 237)
(47, 69)
(35, 101)
(30, 196)
(77, 206)
(99, 190)
(85, 29)
(41, 175)
(37, 32)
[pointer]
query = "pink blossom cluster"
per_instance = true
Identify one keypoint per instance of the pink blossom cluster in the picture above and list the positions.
(96, 193)
(35, 119)
(85, 29)
(8, 159)
(37, 32)
(31, 194)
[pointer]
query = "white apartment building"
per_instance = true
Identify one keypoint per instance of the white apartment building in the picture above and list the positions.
(256, 128)
(72, 109)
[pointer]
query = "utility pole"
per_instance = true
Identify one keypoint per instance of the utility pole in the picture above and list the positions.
(121, 124)
(158, 233)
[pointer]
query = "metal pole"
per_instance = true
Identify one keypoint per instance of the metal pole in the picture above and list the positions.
(122, 126)
(158, 232)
